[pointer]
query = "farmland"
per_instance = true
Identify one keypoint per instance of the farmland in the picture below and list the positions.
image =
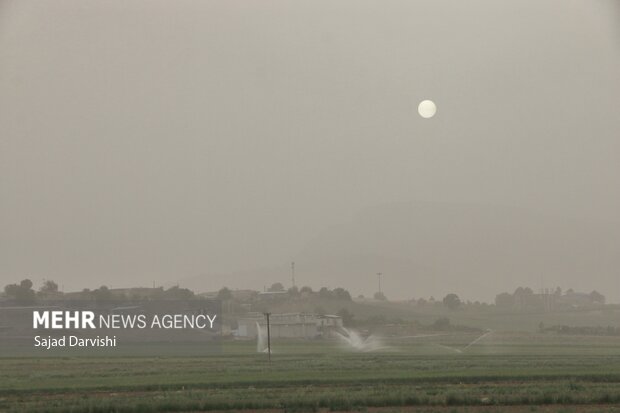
(504, 372)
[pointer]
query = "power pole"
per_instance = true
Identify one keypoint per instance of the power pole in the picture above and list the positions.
(293, 272)
(379, 276)
(268, 337)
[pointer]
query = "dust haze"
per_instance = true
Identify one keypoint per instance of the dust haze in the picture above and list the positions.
(212, 143)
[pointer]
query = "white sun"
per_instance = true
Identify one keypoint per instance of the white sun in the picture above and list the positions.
(427, 109)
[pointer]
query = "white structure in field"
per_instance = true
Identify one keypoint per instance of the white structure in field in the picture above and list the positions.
(289, 325)
(329, 325)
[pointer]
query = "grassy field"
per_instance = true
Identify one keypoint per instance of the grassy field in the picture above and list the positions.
(510, 372)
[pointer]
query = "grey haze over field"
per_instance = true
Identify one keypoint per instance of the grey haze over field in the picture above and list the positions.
(214, 142)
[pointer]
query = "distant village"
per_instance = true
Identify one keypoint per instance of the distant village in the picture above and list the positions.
(301, 312)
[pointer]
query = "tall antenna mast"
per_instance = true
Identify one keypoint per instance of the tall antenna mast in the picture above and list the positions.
(293, 272)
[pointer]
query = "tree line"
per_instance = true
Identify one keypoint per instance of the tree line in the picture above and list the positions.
(523, 298)
(23, 293)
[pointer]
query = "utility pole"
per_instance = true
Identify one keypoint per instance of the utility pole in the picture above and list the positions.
(268, 337)
(293, 272)
(379, 276)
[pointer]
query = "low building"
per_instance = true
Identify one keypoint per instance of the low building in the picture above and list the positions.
(136, 293)
(289, 325)
(272, 295)
(328, 325)
(243, 295)
(576, 299)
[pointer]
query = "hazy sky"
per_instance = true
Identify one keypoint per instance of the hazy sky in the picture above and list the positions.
(147, 141)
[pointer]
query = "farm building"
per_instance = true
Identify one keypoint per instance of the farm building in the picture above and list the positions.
(328, 325)
(289, 325)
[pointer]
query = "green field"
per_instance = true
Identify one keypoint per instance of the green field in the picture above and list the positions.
(504, 372)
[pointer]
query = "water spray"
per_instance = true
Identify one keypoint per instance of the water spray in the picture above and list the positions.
(352, 340)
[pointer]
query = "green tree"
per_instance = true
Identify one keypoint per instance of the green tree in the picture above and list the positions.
(305, 290)
(102, 293)
(504, 300)
(22, 292)
(224, 294)
(276, 287)
(324, 292)
(342, 294)
(177, 293)
(293, 292)
(49, 286)
(452, 301)
(597, 297)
